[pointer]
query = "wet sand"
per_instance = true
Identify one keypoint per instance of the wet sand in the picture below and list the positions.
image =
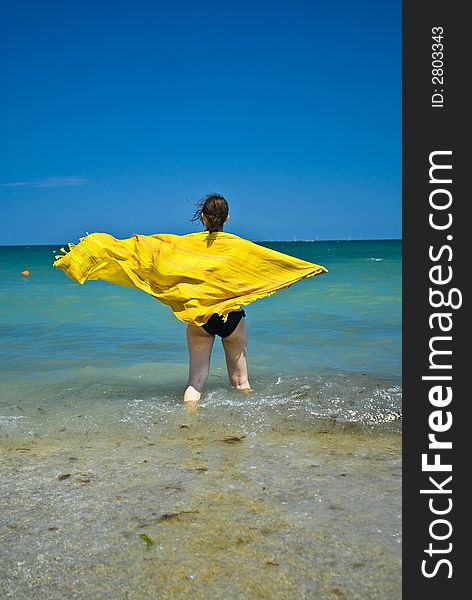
(202, 511)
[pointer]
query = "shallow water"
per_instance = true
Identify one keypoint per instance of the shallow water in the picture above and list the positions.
(348, 319)
(86, 343)
(292, 491)
(289, 512)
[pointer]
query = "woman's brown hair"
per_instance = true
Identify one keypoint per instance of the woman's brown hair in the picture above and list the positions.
(215, 208)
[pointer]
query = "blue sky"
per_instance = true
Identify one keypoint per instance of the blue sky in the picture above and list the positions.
(117, 115)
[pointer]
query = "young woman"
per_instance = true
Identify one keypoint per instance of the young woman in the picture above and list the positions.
(205, 278)
(213, 212)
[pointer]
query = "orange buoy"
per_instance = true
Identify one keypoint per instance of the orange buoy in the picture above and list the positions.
(25, 273)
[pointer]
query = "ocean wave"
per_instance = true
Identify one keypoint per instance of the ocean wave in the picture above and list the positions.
(332, 400)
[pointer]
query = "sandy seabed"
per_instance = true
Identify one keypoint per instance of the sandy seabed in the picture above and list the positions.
(203, 512)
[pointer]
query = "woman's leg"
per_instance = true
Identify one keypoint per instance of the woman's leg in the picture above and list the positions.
(200, 344)
(235, 347)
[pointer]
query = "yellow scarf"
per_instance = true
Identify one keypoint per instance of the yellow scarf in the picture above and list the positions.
(197, 275)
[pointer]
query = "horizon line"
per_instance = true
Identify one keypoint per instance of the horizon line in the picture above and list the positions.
(389, 239)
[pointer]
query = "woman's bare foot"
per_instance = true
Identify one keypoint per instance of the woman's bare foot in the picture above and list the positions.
(191, 394)
(244, 388)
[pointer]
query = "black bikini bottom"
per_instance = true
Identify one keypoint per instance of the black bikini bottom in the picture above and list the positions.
(216, 326)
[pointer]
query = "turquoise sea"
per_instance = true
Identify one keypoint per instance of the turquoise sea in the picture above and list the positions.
(59, 335)
(295, 487)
